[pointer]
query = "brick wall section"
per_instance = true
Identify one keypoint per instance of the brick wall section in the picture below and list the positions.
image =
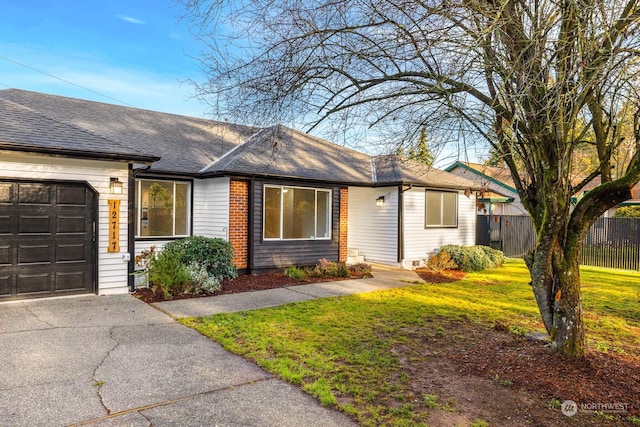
(239, 221)
(344, 216)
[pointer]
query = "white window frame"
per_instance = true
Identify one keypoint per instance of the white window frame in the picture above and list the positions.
(426, 207)
(315, 226)
(138, 195)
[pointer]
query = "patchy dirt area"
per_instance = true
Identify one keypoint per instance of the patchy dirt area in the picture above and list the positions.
(245, 283)
(506, 380)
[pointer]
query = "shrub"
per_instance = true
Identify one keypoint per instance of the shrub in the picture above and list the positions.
(168, 274)
(441, 261)
(214, 253)
(329, 268)
(296, 273)
(203, 281)
(360, 268)
(473, 258)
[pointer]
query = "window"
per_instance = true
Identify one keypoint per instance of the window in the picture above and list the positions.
(296, 213)
(162, 208)
(441, 209)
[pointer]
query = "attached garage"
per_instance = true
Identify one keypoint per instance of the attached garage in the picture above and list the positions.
(48, 241)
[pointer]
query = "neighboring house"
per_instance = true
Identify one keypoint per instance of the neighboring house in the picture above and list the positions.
(281, 197)
(498, 196)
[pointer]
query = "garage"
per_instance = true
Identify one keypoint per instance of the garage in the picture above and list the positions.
(47, 238)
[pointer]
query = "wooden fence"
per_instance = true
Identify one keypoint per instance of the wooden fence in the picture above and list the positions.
(611, 242)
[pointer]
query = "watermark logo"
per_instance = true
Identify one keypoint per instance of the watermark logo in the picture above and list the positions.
(570, 408)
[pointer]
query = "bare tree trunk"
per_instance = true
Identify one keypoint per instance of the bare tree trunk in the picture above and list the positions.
(555, 278)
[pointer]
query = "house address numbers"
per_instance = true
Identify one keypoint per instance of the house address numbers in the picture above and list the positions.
(114, 226)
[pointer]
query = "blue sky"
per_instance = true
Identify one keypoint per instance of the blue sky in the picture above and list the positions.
(136, 52)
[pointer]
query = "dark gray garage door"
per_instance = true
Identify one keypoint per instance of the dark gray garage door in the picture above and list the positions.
(47, 244)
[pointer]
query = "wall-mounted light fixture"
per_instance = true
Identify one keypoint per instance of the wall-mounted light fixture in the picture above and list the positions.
(380, 201)
(115, 186)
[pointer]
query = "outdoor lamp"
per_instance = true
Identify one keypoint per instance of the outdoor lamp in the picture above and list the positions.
(115, 186)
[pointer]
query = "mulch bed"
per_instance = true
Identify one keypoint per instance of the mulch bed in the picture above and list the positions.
(446, 276)
(244, 283)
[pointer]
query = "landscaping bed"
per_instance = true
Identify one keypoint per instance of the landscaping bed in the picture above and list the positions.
(246, 283)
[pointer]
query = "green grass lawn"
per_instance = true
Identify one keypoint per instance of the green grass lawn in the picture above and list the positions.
(339, 349)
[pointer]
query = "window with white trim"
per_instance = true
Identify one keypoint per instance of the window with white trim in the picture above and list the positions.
(162, 208)
(296, 213)
(441, 209)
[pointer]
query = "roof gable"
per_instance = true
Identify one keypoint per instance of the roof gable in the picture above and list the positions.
(281, 151)
(490, 174)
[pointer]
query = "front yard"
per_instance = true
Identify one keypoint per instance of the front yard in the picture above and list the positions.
(450, 353)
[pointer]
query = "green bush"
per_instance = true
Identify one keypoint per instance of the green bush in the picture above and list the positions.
(214, 253)
(296, 273)
(203, 281)
(329, 268)
(168, 274)
(473, 258)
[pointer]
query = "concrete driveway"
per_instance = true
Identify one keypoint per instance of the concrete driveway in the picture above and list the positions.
(116, 361)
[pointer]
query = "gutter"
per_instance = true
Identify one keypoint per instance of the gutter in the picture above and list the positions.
(80, 154)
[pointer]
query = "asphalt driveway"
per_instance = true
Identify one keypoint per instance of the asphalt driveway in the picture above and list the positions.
(114, 361)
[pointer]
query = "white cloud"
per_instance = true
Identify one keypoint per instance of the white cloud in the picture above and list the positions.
(131, 20)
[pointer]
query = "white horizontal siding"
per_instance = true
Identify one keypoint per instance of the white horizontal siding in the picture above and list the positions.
(373, 230)
(211, 207)
(112, 271)
(420, 241)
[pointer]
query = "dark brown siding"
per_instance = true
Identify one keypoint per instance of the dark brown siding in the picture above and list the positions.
(281, 254)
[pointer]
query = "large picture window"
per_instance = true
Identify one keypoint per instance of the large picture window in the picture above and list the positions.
(441, 209)
(296, 213)
(162, 208)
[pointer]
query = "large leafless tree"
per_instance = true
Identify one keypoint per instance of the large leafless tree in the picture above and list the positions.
(535, 79)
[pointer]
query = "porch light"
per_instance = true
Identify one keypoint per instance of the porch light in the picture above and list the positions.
(380, 201)
(115, 186)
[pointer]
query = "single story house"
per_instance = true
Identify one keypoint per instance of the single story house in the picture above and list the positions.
(86, 186)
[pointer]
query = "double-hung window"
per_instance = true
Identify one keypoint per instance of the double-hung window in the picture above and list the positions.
(296, 213)
(441, 209)
(162, 208)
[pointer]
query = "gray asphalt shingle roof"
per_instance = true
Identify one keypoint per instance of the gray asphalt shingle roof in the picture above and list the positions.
(391, 169)
(280, 151)
(28, 130)
(198, 147)
(185, 144)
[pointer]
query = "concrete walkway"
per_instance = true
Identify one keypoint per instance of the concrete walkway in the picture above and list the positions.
(383, 278)
(116, 361)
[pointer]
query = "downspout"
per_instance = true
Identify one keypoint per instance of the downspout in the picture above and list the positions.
(400, 224)
(131, 241)
(131, 230)
(250, 231)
